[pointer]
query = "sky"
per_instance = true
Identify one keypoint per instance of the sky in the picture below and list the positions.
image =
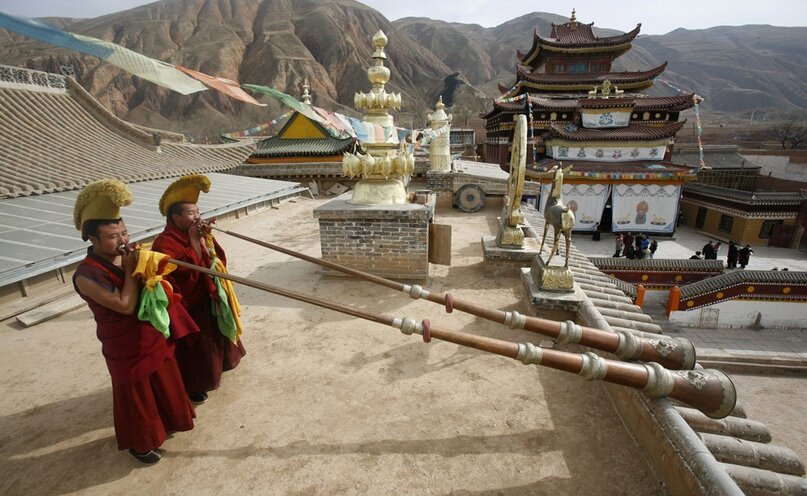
(656, 17)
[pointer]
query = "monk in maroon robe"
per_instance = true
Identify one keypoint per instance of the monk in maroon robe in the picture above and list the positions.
(149, 399)
(203, 360)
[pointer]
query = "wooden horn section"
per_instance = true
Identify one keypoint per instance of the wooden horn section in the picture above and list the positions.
(672, 353)
(709, 391)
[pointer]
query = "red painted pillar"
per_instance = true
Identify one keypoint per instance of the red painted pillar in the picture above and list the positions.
(674, 300)
(639, 301)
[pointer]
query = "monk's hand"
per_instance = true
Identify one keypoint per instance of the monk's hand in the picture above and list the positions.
(128, 261)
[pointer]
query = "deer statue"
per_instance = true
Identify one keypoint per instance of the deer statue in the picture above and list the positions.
(558, 216)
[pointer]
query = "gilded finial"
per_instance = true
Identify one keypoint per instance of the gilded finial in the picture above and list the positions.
(440, 103)
(573, 18)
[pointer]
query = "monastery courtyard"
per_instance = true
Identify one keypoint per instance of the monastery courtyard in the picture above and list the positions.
(327, 404)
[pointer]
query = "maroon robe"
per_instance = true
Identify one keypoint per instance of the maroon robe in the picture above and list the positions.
(202, 360)
(148, 398)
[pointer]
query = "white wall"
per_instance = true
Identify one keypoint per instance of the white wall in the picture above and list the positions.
(735, 314)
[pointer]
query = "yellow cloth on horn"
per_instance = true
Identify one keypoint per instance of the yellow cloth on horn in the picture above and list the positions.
(154, 300)
(227, 310)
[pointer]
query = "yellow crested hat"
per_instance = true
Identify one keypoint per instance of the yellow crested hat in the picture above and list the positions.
(100, 200)
(184, 190)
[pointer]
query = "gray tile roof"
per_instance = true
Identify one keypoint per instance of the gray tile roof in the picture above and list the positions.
(750, 198)
(716, 157)
(724, 281)
(54, 139)
(277, 146)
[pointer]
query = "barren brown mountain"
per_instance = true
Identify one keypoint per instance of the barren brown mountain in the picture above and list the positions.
(270, 42)
(280, 42)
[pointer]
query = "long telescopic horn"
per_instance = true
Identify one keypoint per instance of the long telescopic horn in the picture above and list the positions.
(678, 353)
(709, 391)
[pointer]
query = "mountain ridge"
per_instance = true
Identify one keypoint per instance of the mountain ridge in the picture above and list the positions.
(281, 42)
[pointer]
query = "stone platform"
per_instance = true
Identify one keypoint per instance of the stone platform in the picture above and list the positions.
(386, 240)
(507, 261)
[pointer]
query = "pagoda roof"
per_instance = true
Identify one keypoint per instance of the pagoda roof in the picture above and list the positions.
(669, 103)
(575, 37)
(639, 104)
(631, 132)
(277, 146)
(613, 169)
(569, 82)
(57, 137)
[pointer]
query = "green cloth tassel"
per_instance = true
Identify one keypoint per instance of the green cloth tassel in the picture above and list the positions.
(221, 309)
(154, 308)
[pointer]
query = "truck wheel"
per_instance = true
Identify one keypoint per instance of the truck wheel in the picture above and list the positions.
(469, 198)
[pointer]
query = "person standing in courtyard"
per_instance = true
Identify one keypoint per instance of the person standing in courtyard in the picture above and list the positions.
(149, 400)
(708, 251)
(212, 305)
(618, 245)
(733, 254)
(744, 256)
(653, 248)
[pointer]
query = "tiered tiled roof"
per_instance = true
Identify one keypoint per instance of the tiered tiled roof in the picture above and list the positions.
(621, 79)
(726, 456)
(744, 277)
(667, 104)
(574, 37)
(578, 82)
(632, 132)
(57, 139)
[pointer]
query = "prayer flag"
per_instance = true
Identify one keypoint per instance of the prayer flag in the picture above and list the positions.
(226, 86)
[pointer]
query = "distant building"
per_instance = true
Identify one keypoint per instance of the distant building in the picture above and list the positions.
(725, 203)
(583, 115)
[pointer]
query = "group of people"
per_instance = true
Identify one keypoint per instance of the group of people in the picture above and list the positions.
(633, 247)
(157, 373)
(736, 256)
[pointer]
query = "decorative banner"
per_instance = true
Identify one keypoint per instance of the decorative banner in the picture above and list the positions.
(650, 150)
(594, 120)
(512, 99)
(587, 201)
(226, 86)
(645, 208)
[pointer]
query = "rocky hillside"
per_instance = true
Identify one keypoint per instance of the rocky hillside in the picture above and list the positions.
(271, 42)
(281, 42)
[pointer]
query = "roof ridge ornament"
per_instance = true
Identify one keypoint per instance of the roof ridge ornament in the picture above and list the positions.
(605, 90)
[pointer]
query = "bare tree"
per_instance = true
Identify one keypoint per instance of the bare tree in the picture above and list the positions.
(789, 134)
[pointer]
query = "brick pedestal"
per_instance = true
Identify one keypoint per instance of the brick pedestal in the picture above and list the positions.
(387, 240)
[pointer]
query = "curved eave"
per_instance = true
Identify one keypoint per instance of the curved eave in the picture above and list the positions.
(669, 104)
(619, 43)
(632, 133)
(616, 78)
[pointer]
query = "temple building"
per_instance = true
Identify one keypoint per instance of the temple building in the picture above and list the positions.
(727, 203)
(618, 141)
